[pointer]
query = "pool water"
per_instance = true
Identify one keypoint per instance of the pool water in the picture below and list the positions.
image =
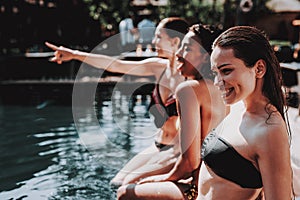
(45, 156)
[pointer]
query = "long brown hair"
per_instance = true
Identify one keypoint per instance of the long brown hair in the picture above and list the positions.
(175, 27)
(251, 44)
(205, 36)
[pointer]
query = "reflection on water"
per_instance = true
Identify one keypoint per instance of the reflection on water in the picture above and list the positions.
(45, 156)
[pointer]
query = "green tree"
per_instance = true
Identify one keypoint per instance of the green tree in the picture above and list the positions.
(108, 12)
(218, 12)
(204, 11)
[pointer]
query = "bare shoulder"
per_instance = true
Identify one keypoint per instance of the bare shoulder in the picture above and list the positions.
(271, 134)
(156, 64)
(272, 126)
(195, 91)
(196, 85)
(187, 91)
(187, 86)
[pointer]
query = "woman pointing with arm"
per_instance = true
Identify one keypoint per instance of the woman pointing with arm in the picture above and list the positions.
(163, 153)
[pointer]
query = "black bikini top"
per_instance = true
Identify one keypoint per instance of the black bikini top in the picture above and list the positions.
(162, 111)
(227, 163)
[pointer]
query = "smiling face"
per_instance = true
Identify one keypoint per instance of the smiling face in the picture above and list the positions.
(235, 80)
(190, 56)
(162, 42)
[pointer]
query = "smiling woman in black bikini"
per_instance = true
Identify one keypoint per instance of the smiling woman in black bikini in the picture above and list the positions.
(248, 153)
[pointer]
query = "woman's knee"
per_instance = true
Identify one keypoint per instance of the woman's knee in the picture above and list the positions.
(125, 192)
(120, 192)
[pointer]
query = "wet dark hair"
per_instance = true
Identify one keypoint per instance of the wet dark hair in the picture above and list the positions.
(175, 27)
(251, 44)
(205, 36)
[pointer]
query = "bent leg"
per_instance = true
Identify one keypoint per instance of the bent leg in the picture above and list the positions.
(158, 190)
(160, 163)
(136, 162)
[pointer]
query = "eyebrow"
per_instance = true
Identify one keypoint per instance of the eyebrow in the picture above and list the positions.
(223, 65)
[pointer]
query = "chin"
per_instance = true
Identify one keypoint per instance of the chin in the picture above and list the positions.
(228, 102)
(185, 75)
(159, 52)
(231, 101)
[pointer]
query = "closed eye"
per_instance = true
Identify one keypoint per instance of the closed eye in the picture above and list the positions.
(187, 48)
(226, 71)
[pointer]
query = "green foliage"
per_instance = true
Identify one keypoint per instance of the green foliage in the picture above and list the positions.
(196, 10)
(110, 12)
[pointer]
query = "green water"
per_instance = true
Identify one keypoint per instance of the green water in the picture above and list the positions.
(45, 156)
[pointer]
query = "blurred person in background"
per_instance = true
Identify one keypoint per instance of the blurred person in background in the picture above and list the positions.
(146, 29)
(129, 33)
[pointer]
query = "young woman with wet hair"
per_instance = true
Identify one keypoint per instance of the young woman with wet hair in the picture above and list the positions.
(200, 109)
(247, 156)
(162, 155)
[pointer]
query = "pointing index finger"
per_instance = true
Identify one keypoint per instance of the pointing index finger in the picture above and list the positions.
(51, 46)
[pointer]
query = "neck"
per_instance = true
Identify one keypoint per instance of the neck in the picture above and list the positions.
(256, 105)
(256, 102)
(172, 61)
(172, 65)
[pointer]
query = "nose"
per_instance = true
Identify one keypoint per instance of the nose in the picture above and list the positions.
(154, 40)
(218, 81)
(178, 53)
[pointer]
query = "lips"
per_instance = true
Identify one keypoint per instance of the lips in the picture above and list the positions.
(180, 66)
(180, 63)
(226, 92)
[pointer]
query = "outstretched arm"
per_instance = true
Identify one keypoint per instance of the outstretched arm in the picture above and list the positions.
(147, 67)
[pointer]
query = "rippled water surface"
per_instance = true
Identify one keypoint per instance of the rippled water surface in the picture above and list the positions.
(45, 156)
